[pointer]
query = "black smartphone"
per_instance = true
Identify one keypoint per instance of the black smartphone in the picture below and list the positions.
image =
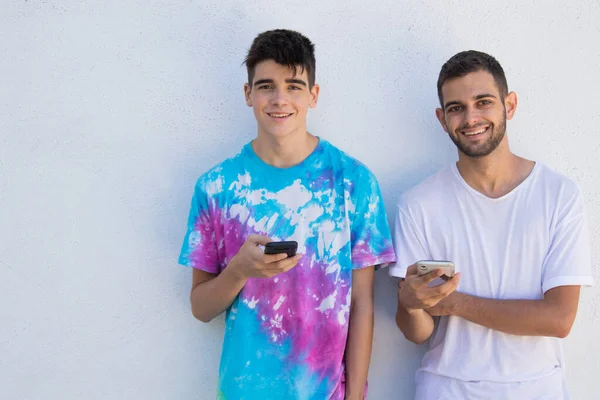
(289, 247)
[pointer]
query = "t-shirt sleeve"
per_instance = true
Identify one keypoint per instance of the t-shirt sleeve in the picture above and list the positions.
(370, 237)
(568, 261)
(409, 243)
(199, 249)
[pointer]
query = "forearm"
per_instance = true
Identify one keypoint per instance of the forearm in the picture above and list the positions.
(211, 298)
(416, 325)
(517, 317)
(358, 349)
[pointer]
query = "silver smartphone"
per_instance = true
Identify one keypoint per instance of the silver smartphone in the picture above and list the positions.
(426, 266)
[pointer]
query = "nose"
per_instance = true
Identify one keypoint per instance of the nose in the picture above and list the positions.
(471, 117)
(279, 97)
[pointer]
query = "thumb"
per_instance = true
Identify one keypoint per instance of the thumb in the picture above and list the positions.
(412, 270)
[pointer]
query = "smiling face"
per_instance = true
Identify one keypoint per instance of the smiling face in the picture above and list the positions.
(280, 100)
(474, 113)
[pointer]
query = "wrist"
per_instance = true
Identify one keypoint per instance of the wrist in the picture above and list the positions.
(408, 310)
(236, 269)
(456, 304)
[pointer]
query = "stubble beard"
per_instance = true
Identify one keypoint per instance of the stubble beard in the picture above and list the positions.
(486, 148)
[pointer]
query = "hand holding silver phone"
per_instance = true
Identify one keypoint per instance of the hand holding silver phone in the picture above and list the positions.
(426, 266)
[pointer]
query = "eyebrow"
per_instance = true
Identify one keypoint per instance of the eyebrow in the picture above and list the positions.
(483, 96)
(451, 103)
(478, 97)
(296, 81)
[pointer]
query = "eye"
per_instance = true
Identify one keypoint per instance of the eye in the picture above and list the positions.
(485, 102)
(454, 109)
(295, 88)
(265, 87)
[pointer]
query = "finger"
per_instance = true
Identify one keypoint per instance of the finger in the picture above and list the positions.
(256, 239)
(455, 278)
(445, 288)
(288, 263)
(412, 270)
(273, 258)
(423, 280)
(452, 284)
(290, 266)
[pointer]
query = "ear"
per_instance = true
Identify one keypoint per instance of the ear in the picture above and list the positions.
(439, 113)
(510, 104)
(314, 95)
(247, 91)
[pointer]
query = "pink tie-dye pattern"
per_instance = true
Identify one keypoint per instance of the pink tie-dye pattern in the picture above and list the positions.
(299, 318)
(362, 251)
(228, 234)
(303, 291)
(204, 254)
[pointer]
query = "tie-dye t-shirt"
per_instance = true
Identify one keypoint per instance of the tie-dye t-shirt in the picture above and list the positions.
(285, 336)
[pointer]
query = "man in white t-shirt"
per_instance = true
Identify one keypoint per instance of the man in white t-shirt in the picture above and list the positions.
(517, 234)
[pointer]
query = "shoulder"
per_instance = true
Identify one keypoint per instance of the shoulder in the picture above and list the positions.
(351, 167)
(558, 192)
(554, 182)
(218, 178)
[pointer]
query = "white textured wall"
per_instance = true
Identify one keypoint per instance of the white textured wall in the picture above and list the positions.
(109, 112)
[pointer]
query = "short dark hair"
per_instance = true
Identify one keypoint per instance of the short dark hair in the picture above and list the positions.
(469, 61)
(285, 47)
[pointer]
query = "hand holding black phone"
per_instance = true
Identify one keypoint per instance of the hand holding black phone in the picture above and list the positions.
(288, 247)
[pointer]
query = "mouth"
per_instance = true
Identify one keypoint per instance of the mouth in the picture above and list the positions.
(279, 115)
(475, 132)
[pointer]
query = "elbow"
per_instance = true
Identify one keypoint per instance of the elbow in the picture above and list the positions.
(198, 312)
(411, 336)
(419, 340)
(200, 316)
(562, 334)
(416, 340)
(563, 329)
(563, 326)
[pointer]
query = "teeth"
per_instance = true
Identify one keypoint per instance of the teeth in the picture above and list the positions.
(476, 132)
(279, 115)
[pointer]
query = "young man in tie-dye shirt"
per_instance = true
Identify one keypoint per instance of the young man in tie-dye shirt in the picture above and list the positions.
(296, 327)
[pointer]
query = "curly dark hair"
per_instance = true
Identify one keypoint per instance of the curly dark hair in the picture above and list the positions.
(469, 61)
(285, 47)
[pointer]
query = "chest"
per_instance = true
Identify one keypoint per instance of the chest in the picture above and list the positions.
(499, 248)
(312, 210)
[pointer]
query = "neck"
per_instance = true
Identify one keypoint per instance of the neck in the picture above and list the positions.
(496, 174)
(284, 152)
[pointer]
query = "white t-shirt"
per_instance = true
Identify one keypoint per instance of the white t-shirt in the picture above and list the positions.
(517, 246)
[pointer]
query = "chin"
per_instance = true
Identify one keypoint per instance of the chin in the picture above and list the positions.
(281, 134)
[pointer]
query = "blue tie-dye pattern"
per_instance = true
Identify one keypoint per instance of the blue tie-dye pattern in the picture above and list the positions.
(331, 204)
